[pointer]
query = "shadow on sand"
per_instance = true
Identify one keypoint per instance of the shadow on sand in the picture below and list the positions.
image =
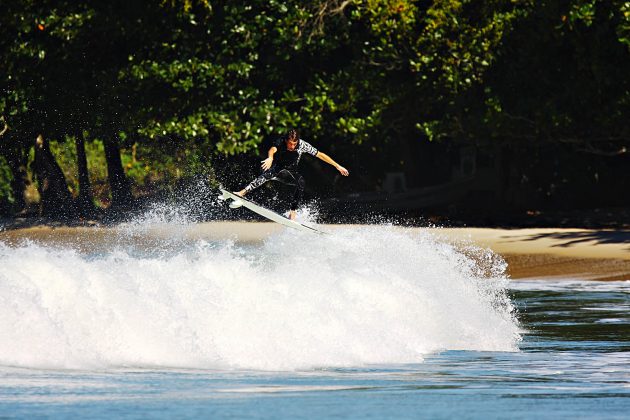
(573, 238)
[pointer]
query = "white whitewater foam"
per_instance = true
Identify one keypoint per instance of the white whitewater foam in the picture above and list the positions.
(371, 295)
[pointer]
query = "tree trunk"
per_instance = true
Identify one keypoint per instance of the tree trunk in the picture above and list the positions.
(18, 162)
(85, 204)
(17, 158)
(55, 198)
(118, 182)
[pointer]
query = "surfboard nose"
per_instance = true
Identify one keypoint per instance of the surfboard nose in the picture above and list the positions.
(223, 196)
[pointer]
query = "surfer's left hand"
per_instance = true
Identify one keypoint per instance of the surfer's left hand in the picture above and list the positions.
(343, 171)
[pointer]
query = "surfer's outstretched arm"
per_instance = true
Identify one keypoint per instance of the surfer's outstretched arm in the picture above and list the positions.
(323, 156)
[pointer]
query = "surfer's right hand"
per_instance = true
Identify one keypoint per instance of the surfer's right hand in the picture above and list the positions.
(266, 164)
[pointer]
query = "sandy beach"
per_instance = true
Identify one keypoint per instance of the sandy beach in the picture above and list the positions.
(555, 253)
(530, 253)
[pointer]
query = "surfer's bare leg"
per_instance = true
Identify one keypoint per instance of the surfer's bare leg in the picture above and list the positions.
(292, 215)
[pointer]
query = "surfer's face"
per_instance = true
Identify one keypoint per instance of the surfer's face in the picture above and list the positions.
(291, 145)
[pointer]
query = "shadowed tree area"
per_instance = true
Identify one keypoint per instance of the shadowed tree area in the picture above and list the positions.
(492, 113)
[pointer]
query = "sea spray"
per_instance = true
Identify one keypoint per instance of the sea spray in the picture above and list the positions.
(359, 296)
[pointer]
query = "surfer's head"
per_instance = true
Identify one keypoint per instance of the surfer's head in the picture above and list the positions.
(291, 140)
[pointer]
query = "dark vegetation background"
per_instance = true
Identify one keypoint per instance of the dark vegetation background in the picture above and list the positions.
(497, 112)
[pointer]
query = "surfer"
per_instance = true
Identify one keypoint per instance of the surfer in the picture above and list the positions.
(282, 165)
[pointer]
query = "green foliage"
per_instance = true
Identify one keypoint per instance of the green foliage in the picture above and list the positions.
(185, 80)
(623, 28)
(556, 83)
(6, 195)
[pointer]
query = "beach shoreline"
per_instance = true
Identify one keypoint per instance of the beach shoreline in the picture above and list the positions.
(532, 253)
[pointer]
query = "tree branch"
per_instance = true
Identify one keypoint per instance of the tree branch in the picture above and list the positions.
(6, 126)
(327, 8)
(591, 150)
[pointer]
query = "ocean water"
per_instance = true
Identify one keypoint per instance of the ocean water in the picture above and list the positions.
(367, 322)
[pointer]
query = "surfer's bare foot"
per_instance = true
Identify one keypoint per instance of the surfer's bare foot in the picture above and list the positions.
(292, 215)
(240, 193)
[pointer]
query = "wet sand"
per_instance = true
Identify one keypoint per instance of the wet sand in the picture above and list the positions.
(530, 253)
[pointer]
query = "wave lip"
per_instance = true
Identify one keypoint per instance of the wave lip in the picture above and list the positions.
(372, 295)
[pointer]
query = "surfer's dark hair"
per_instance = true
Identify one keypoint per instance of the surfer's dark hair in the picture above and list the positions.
(291, 135)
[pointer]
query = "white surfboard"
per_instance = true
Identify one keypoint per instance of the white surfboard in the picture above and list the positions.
(271, 215)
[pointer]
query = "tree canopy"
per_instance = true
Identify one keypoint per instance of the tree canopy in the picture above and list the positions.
(219, 78)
